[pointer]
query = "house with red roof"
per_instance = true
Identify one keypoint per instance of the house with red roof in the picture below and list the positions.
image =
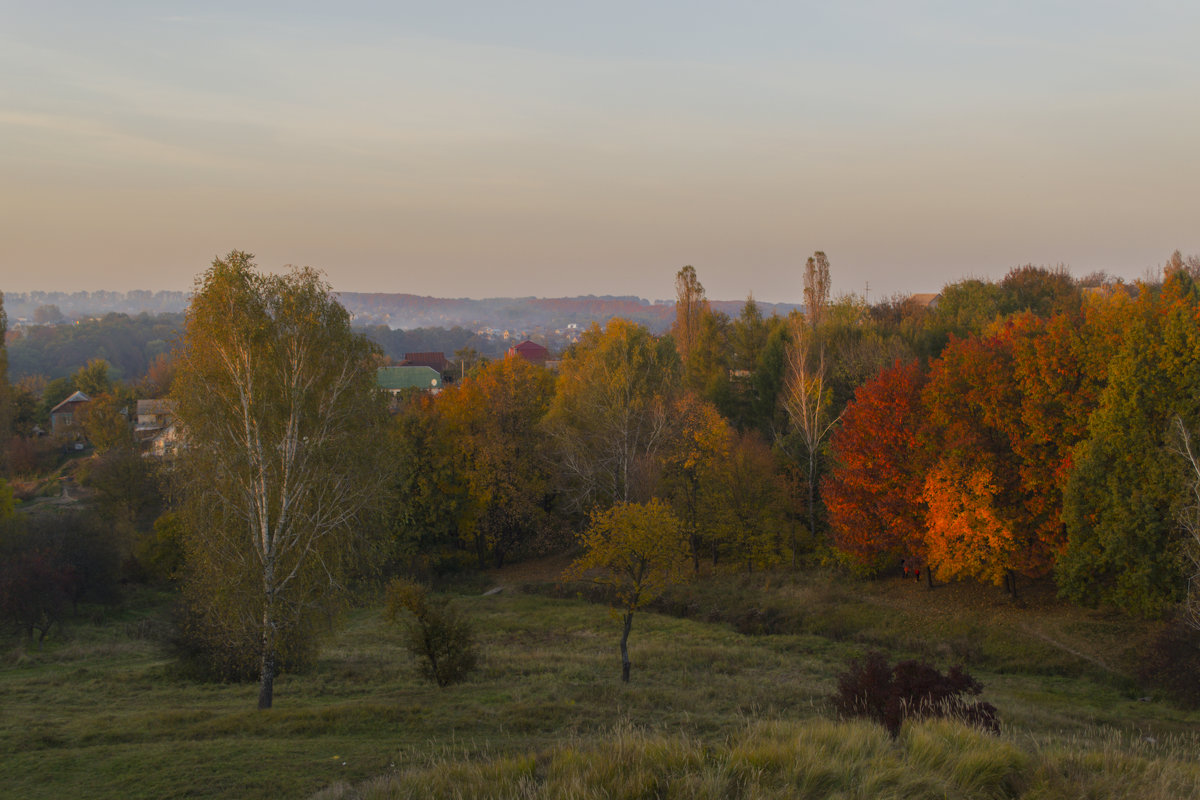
(530, 351)
(436, 361)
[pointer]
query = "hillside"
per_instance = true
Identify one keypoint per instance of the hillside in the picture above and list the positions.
(710, 712)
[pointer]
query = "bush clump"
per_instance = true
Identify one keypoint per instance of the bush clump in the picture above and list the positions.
(215, 649)
(889, 695)
(441, 640)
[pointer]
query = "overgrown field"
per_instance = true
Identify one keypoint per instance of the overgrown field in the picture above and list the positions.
(710, 712)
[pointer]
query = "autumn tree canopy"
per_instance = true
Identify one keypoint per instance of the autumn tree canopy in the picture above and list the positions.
(609, 417)
(493, 419)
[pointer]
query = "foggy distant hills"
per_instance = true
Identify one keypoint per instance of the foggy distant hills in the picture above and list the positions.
(523, 313)
(402, 311)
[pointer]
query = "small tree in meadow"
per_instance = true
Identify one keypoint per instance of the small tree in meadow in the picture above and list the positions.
(637, 550)
(436, 635)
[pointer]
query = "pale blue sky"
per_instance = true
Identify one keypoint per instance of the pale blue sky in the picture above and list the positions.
(551, 148)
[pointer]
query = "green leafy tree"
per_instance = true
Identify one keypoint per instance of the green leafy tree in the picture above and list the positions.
(280, 420)
(857, 348)
(1040, 291)
(434, 633)
(699, 444)
(744, 341)
(23, 409)
(749, 503)
(428, 491)
(768, 382)
(48, 315)
(159, 551)
(35, 592)
(127, 487)
(1124, 494)
(707, 368)
(53, 393)
(95, 379)
(106, 425)
(748, 336)
(1186, 447)
(128, 344)
(637, 551)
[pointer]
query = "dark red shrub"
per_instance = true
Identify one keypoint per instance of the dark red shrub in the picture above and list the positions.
(35, 592)
(889, 695)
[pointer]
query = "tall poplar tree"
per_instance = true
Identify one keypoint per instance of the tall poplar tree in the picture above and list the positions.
(278, 411)
(816, 286)
(690, 306)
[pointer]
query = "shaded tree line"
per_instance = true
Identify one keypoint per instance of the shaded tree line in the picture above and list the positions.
(129, 344)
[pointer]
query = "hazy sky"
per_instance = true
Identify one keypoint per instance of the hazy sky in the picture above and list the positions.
(557, 148)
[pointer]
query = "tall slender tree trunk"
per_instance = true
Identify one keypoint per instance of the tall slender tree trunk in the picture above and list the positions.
(267, 665)
(625, 664)
(266, 686)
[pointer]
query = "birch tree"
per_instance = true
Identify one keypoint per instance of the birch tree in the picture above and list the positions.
(1189, 516)
(808, 401)
(278, 410)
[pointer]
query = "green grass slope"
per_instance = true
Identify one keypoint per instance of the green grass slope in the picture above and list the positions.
(710, 712)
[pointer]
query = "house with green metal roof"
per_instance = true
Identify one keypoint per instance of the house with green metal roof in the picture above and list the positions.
(396, 379)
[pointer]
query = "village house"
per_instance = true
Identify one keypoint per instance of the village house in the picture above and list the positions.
(395, 380)
(927, 300)
(65, 417)
(154, 428)
(433, 360)
(530, 351)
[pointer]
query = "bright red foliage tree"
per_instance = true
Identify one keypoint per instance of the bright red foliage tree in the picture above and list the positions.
(873, 495)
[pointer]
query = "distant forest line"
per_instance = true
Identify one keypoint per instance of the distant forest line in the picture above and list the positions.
(130, 329)
(130, 344)
(393, 310)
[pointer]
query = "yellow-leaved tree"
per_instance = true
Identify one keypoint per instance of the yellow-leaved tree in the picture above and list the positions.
(610, 416)
(637, 550)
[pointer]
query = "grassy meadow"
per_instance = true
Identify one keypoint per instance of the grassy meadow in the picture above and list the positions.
(729, 698)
